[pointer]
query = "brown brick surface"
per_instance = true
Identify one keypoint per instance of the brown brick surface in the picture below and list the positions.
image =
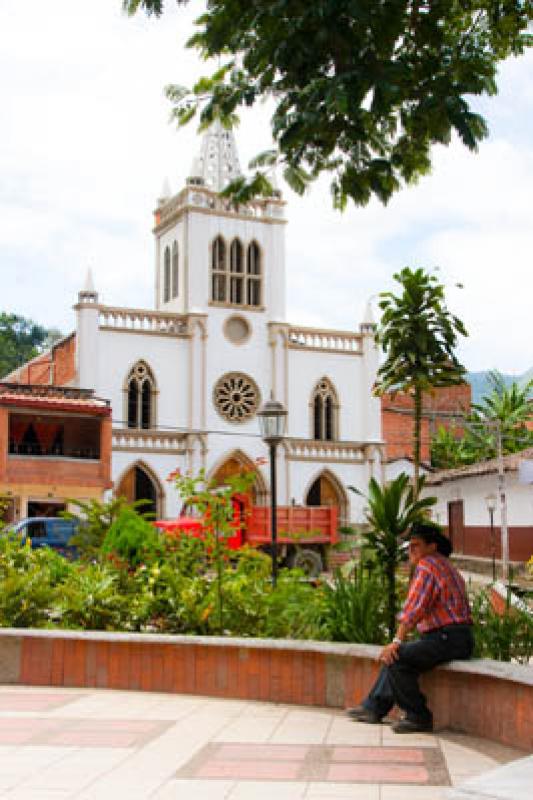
(490, 706)
(439, 408)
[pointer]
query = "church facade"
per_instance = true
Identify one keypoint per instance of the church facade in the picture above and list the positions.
(187, 377)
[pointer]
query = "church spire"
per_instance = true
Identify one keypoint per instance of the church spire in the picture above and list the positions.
(218, 162)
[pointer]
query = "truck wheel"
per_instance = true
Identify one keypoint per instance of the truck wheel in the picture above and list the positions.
(310, 561)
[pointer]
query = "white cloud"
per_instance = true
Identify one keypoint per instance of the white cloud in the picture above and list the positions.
(85, 145)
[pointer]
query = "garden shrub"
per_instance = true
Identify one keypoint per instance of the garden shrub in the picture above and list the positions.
(356, 610)
(503, 637)
(91, 600)
(28, 583)
(95, 517)
(133, 540)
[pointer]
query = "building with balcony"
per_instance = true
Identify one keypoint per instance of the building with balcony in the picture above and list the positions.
(55, 446)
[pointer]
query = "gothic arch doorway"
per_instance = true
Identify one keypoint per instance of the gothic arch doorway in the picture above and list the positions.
(326, 490)
(234, 464)
(139, 483)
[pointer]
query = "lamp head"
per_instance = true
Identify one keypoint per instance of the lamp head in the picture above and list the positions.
(272, 421)
(491, 501)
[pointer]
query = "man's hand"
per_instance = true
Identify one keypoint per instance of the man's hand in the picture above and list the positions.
(390, 653)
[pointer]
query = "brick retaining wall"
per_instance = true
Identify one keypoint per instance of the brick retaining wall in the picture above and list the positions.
(481, 698)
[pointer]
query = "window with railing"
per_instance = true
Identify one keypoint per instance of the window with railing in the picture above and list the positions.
(54, 437)
(237, 280)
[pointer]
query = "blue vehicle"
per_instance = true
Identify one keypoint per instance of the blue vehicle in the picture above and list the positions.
(53, 532)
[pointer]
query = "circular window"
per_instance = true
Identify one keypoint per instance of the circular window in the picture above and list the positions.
(236, 397)
(237, 329)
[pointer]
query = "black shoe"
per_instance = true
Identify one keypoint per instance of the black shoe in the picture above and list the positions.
(363, 714)
(407, 725)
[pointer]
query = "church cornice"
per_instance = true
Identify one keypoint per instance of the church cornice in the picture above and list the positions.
(205, 201)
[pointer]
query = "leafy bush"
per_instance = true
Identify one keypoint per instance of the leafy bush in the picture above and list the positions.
(90, 599)
(132, 540)
(96, 518)
(504, 637)
(28, 583)
(355, 608)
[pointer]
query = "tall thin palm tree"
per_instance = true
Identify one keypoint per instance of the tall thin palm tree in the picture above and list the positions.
(418, 335)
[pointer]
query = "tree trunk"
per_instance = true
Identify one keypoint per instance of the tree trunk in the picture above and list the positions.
(417, 436)
(391, 605)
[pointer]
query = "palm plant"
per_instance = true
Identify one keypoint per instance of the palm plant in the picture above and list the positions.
(418, 336)
(391, 511)
(508, 406)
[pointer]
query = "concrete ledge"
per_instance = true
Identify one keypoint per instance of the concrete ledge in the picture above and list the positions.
(482, 698)
(511, 782)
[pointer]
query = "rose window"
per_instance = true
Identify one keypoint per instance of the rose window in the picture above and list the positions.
(236, 397)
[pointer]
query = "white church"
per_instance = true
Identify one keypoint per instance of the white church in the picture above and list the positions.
(187, 378)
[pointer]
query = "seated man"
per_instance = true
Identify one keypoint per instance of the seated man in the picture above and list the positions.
(437, 604)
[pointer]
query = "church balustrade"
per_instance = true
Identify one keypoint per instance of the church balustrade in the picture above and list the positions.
(133, 320)
(204, 198)
(147, 441)
(325, 340)
(311, 450)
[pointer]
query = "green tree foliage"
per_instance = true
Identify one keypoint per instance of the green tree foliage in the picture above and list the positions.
(509, 407)
(20, 340)
(418, 336)
(95, 518)
(362, 89)
(391, 510)
(132, 539)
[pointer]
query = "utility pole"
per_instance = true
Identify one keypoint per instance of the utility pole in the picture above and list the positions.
(503, 503)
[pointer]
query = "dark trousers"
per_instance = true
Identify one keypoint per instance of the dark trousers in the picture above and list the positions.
(397, 684)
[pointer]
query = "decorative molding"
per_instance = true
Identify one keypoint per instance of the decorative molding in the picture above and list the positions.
(230, 329)
(139, 320)
(326, 452)
(206, 201)
(323, 340)
(236, 397)
(235, 306)
(133, 440)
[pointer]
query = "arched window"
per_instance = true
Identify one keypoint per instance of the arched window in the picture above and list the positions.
(324, 407)
(175, 270)
(166, 275)
(236, 280)
(253, 275)
(218, 271)
(237, 273)
(141, 391)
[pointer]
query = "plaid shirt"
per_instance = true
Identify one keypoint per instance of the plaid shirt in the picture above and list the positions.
(437, 596)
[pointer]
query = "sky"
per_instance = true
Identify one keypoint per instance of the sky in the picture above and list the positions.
(85, 145)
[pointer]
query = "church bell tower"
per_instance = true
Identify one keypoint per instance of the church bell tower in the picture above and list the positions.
(211, 253)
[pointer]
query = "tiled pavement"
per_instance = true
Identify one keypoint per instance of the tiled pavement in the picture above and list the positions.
(88, 744)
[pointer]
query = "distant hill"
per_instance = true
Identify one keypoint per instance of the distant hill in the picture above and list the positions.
(480, 383)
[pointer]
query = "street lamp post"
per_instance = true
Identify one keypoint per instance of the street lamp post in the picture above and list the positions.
(491, 501)
(272, 421)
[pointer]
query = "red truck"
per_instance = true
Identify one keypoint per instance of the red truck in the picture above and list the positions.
(304, 532)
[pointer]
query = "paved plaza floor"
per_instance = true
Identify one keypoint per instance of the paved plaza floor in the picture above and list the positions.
(60, 743)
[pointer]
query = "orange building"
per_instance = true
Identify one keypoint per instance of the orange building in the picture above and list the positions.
(55, 445)
(445, 406)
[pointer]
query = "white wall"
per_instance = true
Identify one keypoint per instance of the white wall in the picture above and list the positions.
(167, 358)
(345, 373)
(473, 491)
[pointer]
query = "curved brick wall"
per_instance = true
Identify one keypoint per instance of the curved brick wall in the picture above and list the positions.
(482, 698)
